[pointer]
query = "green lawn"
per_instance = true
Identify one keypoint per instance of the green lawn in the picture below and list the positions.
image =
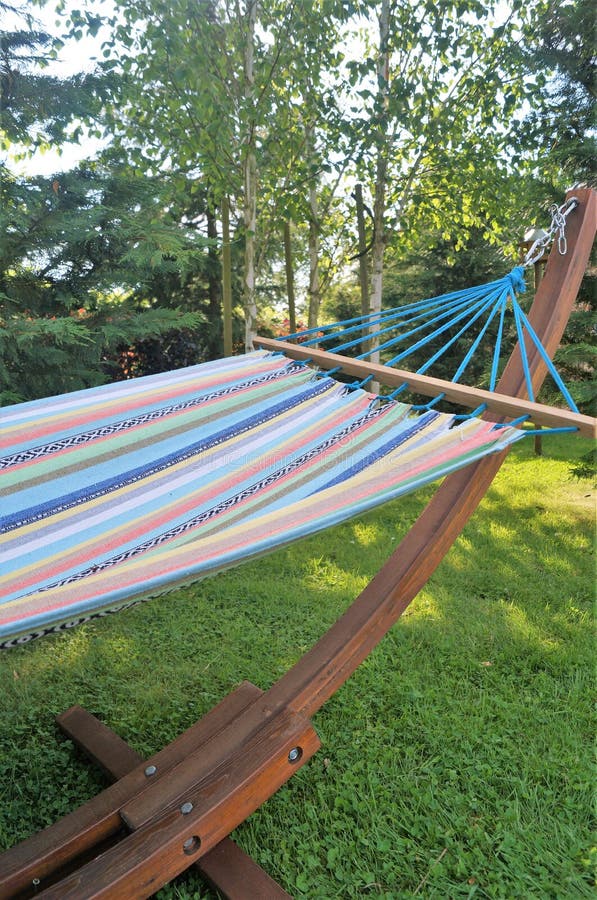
(457, 762)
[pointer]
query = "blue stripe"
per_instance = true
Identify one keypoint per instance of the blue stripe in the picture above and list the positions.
(73, 498)
(415, 427)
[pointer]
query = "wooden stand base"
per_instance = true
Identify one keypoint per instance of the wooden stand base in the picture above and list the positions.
(226, 868)
(171, 812)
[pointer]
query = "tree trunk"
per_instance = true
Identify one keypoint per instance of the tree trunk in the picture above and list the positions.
(314, 292)
(314, 286)
(363, 262)
(250, 186)
(363, 267)
(213, 269)
(381, 169)
(378, 246)
(289, 279)
(226, 278)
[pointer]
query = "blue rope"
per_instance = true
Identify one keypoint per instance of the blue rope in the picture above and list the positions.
(430, 405)
(476, 412)
(513, 423)
(562, 430)
(424, 340)
(523, 352)
(551, 368)
(498, 343)
(376, 334)
(398, 391)
(433, 317)
(461, 368)
(479, 306)
(399, 311)
(359, 384)
(453, 340)
(328, 372)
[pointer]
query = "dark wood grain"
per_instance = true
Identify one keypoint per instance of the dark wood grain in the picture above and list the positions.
(227, 868)
(157, 851)
(99, 818)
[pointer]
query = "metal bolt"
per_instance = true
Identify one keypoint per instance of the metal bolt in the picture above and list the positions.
(151, 770)
(186, 808)
(191, 845)
(295, 754)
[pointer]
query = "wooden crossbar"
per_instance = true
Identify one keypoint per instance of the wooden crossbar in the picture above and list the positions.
(469, 397)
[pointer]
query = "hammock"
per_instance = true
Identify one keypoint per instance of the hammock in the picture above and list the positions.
(117, 493)
(286, 452)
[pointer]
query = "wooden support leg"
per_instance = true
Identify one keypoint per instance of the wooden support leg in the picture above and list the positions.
(226, 868)
(164, 815)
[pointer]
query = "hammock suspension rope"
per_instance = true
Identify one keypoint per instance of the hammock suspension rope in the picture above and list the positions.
(449, 317)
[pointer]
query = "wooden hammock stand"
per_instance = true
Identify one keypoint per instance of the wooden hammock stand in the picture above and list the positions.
(162, 815)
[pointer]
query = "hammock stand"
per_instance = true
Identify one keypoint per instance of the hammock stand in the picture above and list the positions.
(178, 808)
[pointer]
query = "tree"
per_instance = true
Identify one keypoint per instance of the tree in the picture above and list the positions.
(440, 92)
(37, 108)
(231, 95)
(565, 126)
(273, 105)
(564, 131)
(78, 249)
(76, 271)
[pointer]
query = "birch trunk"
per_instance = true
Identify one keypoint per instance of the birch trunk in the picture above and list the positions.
(363, 267)
(314, 286)
(381, 170)
(314, 290)
(250, 185)
(378, 247)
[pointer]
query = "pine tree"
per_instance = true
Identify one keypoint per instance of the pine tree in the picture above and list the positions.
(566, 49)
(82, 251)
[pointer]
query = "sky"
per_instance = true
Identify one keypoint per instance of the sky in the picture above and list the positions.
(75, 57)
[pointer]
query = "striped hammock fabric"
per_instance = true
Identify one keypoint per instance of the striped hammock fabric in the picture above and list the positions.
(117, 493)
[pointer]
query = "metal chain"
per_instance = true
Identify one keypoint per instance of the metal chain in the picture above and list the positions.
(558, 226)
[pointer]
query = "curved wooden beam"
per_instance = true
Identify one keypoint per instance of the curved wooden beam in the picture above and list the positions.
(323, 669)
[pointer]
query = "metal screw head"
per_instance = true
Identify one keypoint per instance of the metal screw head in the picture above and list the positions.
(186, 808)
(295, 754)
(151, 770)
(191, 845)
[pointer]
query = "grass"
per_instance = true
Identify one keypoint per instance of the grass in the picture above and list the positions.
(455, 763)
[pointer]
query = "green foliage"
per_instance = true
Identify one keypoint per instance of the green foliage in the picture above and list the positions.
(564, 47)
(37, 108)
(40, 356)
(76, 270)
(443, 129)
(445, 122)
(80, 251)
(456, 762)
(575, 358)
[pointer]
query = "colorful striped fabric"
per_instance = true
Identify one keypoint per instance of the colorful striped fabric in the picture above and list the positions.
(117, 493)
